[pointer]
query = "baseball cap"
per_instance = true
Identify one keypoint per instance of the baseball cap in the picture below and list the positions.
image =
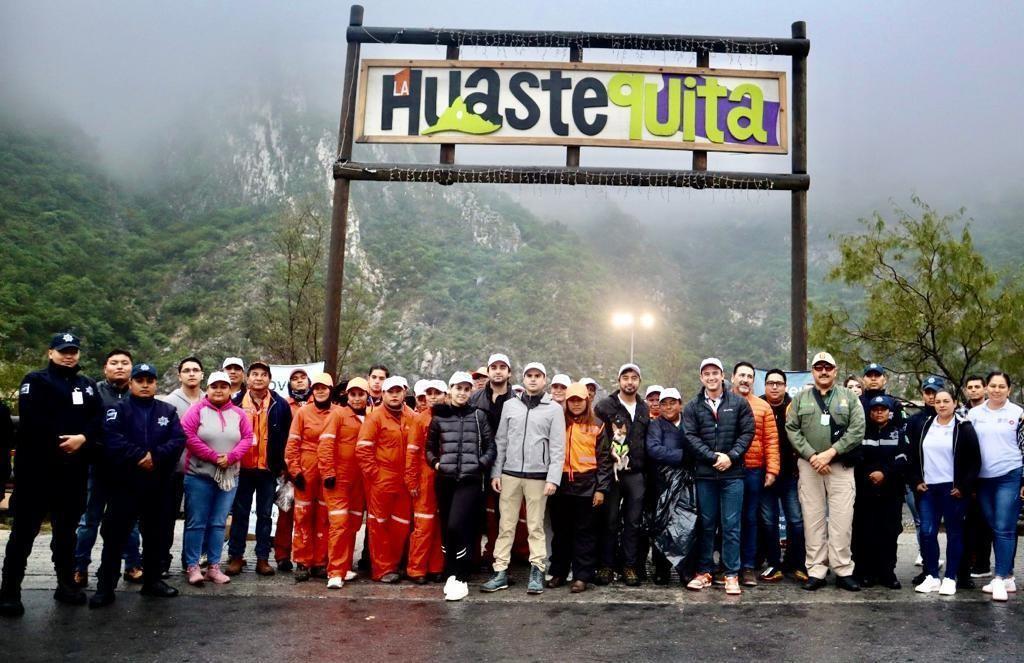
(297, 369)
(144, 369)
(671, 392)
(482, 372)
(518, 388)
(874, 368)
(458, 377)
(496, 357)
(535, 365)
(883, 401)
(394, 381)
(357, 383)
(588, 381)
(823, 357)
(711, 361)
(562, 379)
(218, 376)
(653, 389)
(64, 340)
(321, 378)
(630, 367)
(439, 385)
(577, 390)
(259, 363)
(233, 361)
(420, 387)
(932, 383)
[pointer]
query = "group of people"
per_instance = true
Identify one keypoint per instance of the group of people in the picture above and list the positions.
(452, 475)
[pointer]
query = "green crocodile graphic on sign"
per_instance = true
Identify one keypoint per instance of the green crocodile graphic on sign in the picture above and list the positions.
(458, 118)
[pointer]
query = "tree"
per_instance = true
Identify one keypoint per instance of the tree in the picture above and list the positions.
(931, 304)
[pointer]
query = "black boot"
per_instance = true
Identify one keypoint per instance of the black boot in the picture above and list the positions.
(103, 596)
(69, 594)
(159, 589)
(10, 602)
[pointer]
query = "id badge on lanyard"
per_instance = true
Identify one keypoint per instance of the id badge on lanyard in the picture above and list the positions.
(77, 398)
(826, 419)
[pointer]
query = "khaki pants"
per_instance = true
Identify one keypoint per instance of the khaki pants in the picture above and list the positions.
(827, 504)
(513, 491)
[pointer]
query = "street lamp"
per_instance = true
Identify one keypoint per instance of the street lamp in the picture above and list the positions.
(624, 319)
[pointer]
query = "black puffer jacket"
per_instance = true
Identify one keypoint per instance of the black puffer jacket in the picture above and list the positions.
(613, 414)
(729, 433)
(461, 440)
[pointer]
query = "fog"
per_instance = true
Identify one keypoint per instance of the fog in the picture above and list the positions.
(908, 97)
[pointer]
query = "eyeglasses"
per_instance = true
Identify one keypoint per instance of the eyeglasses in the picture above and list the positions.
(823, 368)
(775, 383)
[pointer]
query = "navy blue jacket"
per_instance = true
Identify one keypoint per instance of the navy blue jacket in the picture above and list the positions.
(666, 443)
(49, 407)
(279, 422)
(729, 432)
(136, 426)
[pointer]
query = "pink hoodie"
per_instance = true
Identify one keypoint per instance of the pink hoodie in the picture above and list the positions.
(211, 431)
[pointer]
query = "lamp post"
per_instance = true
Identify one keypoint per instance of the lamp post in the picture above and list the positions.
(624, 319)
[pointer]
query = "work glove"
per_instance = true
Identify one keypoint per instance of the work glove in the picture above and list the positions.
(299, 481)
(330, 482)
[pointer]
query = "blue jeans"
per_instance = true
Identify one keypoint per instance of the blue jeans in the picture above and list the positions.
(206, 512)
(999, 498)
(784, 492)
(720, 501)
(911, 501)
(89, 527)
(753, 484)
(263, 484)
(935, 505)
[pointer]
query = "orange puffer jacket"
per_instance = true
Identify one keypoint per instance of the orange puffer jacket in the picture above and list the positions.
(764, 448)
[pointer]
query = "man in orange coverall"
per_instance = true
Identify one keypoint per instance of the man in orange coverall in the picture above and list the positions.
(381, 455)
(309, 545)
(425, 556)
(343, 481)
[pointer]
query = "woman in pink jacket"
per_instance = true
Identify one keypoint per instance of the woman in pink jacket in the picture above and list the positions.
(217, 435)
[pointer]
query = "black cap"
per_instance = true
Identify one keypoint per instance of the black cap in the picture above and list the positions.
(64, 340)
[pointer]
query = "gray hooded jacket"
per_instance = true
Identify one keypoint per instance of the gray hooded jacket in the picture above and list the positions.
(530, 440)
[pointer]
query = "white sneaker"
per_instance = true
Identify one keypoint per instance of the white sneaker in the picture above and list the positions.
(458, 591)
(930, 584)
(335, 583)
(998, 587)
(919, 561)
(350, 575)
(948, 587)
(1008, 584)
(448, 584)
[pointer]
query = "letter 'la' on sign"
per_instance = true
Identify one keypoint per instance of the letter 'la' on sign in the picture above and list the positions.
(555, 103)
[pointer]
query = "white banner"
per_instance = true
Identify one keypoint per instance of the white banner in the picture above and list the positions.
(280, 373)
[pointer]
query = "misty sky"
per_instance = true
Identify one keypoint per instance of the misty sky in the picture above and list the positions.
(904, 97)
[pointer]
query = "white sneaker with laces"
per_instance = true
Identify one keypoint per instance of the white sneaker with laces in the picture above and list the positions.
(998, 589)
(458, 591)
(1008, 584)
(335, 583)
(930, 584)
(948, 587)
(350, 575)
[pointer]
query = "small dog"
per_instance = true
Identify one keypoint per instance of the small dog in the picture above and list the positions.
(620, 448)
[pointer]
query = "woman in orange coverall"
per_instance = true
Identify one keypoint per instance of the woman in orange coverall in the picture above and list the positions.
(343, 481)
(309, 544)
(425, 556)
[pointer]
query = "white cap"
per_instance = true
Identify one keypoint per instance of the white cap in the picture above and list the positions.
(586, 381)
(535, 365)
(653, 389)
(394, 381)
(825, 357)
(439, 385)
(233, 361)
(420, 387)
(630, 367)
(711, 361)
(497, 356)
(518, 388)
(459, 377)
(217, 376)
(562, 379)
(671, 392)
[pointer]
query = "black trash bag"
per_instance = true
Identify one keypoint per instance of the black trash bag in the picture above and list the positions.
(673, 525)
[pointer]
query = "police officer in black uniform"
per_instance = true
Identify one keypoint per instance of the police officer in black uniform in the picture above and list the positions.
(142, 442)
(61, 414)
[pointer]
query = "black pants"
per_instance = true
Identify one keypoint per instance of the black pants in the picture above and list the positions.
(62, 496)
(877, 523)
(574, 522)
(625, 504)
(459, 505)
(144, 496)
(977, 542)
(178, 495)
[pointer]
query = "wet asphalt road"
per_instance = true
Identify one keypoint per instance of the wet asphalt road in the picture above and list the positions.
(237, 628)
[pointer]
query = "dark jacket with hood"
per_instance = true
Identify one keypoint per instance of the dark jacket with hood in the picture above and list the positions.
(483, 399)
(884, 450)
(613, 413)
(278, 424)
(137, 426)
(460, 442)
(729, 431)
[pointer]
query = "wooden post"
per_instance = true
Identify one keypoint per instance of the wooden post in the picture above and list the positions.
(340, 203)
(798, 286)
(448, 149)
(572, 153)
(700, 157)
